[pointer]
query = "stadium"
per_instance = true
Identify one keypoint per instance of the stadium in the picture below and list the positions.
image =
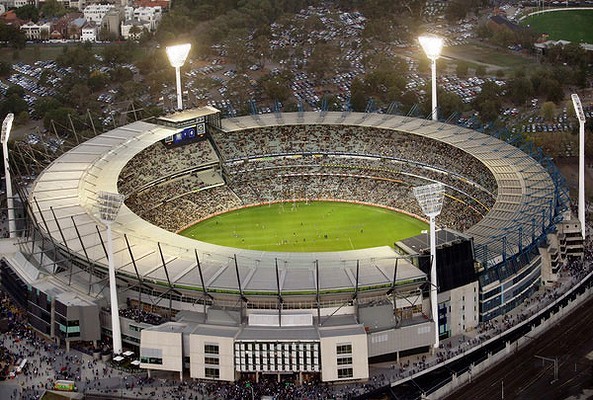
(230, 312)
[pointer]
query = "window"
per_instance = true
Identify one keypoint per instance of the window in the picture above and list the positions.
(344, 373)
(212, 373)
(344, 349)
(151, 360)
(211, 360)
(344, 360)
(211, 348)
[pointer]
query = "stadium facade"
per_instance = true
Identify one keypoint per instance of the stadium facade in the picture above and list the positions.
(235, 312)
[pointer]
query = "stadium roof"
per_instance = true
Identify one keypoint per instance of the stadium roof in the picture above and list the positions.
(66, 192)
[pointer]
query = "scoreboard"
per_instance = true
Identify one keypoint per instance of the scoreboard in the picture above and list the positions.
(187, 135)
(189, 125)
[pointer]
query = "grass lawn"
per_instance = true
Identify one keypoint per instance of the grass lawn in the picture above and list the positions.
(31, 53)
(484, 54)
(302, 227)
(571, 25)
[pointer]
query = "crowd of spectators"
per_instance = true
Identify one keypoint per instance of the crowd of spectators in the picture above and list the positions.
(353, 140)
(140, 315)
(307, 162)
(157, 162)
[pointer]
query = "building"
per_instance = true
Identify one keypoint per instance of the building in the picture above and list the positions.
(89, 32)
(234, 312)
(33, 31)
(111, 22)
(295, 344)
(133, 29)
(457, 278)
(96, 12)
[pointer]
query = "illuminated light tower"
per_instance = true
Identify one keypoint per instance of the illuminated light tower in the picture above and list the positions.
(177, 55)
(6, 127)
(578, 108)
(430, 199)
(432, 46)
(109, 205)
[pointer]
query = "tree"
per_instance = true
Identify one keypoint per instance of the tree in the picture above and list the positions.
(97, 80)
(275, 88)
(548, 110)
(461, 69)
(27, 12)
(323, 60)
(115, 54)
(358, 96)
(53, 9)
(488, 101)
(5, 68)
(12, 35)
(519, 90)
(456, 10)
(12, 103)
(80, 58)
(45, 104)
(60, 118)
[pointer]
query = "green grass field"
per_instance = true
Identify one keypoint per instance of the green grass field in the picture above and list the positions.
(477, 53)
(302, 227)
(574, 26)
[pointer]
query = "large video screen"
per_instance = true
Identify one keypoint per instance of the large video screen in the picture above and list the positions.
(187, 135)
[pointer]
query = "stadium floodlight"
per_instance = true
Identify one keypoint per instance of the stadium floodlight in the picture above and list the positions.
(578, 108)
(432, 46)
(6, 128)
(177, 55)
(109, 205)
(430, 199)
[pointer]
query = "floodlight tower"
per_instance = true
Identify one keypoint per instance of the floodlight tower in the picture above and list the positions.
(6, 128)
(432, 46)
(109, 205)
(578, 108)
(430, 199)
(177, 55)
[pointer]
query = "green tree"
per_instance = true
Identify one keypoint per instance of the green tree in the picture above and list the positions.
(5, 68)
(53, 9)
(12, 35)
(60, 118)
(358, 96)
(80, 58)
(275, 88)
(12, 103)
(461, 69)
(519, 90)
(548, 110)
(97, 80)
(27, 12)
(45, 104)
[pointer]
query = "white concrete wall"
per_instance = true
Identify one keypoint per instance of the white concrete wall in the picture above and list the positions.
(226, 358)
(170, 344)
(360, 358)
(464, 315)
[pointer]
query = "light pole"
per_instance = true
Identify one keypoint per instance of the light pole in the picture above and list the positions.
(6, 127)
(578, 108)
(177, 55)
(109, 205)
(430, 199)
(432, 46)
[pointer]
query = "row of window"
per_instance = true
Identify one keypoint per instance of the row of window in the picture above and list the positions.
(151, 360)
(344, 360)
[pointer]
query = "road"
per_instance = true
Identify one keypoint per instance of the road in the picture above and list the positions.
(525, 377)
